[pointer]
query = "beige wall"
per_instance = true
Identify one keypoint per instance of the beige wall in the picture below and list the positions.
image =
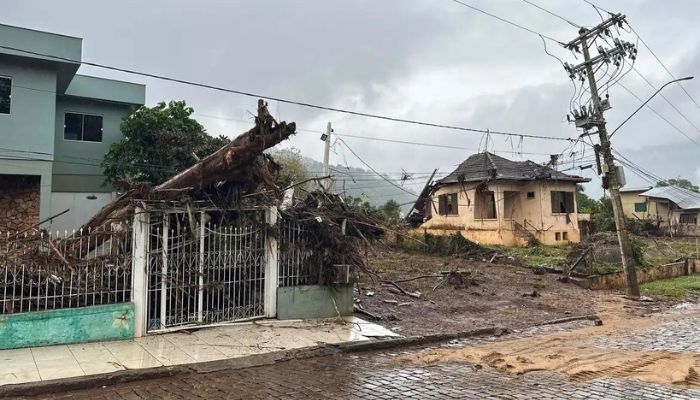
(534, 214)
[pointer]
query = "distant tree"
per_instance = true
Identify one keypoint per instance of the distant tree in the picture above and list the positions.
(292, 169)
(158, 142)
(391, 210)
(604, 219)
(680, 182)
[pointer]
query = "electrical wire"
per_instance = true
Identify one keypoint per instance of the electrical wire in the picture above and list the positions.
(282, 100)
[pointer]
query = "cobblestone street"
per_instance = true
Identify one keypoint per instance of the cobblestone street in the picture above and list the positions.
(381, 375)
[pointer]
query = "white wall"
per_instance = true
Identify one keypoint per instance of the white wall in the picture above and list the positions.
(81, 208)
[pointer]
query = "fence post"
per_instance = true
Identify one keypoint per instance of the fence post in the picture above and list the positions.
(271, 264)
(139, 271)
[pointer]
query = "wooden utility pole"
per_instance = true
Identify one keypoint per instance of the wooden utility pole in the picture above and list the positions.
(326, 158)
(597, 120)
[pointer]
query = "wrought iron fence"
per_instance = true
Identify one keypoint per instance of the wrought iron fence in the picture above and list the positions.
(46, 271)
(205, 276)
(299, 262)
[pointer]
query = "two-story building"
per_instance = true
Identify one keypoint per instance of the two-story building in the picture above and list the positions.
(493, 200)
(55, 127)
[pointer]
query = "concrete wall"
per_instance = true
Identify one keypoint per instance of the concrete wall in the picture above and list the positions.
(74, 325)
(534, 214)
(314, 301)
(77, 163)
(618, 280)
(82, 205)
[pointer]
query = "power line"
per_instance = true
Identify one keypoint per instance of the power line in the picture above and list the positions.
(508, 21)
(286, 101)
(659, 115)
(575, 25)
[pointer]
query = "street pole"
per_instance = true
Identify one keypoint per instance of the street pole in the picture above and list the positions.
(610, 171)
(326, 158)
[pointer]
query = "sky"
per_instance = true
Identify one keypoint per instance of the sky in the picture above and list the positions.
(429, 60)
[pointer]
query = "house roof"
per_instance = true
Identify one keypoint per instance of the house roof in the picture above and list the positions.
(488, 166)
(107, 89)
(683, 198)
(635, 189)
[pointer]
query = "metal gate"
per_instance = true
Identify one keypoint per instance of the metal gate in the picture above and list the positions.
(205, 268)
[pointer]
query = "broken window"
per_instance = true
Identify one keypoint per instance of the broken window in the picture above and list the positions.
(83, 127)
(484, 205)
(447, 204)
(640, 207)
(5, 94)
(562, 202)
(689, 218)
(530, 195)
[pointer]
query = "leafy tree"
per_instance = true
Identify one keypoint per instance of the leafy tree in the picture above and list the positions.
(158, 142)
(292, 169)
(586, 204)
(680, 182)
(604, 218)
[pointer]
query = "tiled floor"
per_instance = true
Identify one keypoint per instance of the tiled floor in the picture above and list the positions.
(208, 344)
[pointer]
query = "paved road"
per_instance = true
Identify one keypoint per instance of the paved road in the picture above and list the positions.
(378, 375)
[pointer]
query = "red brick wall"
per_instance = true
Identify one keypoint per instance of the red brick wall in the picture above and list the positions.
(19, 202)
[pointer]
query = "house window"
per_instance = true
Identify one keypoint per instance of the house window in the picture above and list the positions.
(83, 127)
(689, 218)
(640, 207)
(562, 202)
(5, 94)
(447, 204)
(565, 235)
(530, 195)
(484, 206)
(557, 236)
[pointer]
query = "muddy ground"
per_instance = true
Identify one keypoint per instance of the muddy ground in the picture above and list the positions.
(502, 295)
(583, 354)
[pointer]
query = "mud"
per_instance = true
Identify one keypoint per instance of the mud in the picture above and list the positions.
(571, 353)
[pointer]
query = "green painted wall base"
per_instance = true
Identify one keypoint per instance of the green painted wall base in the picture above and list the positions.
(73, 325)
(314, 301)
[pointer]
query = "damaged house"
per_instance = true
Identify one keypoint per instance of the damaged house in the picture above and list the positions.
(493, 200)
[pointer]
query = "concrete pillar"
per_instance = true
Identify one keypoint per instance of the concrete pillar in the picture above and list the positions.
(271, 265)
(139, 272)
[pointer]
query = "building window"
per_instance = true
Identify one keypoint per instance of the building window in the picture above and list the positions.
(530, 195)
(447, 204)
(5, 94)
(640, 207)
(689, 218)
(557, 236)
(83, 127)
(565, 236)
(562, 202)
(484, 206)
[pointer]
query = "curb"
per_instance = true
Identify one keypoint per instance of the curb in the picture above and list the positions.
(255, 360)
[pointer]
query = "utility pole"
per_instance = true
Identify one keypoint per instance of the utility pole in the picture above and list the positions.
(593, 118)
(326, 157)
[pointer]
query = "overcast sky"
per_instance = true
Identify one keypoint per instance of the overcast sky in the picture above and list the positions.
(431, 60)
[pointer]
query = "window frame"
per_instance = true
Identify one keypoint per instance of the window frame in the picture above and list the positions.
(444, 201)
(82, 126)
(637, 210)
(693, 216)
(573, 202)
(495, 206)
(11, 83)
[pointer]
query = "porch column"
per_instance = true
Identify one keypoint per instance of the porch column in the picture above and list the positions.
(271, 265)
(139, 271)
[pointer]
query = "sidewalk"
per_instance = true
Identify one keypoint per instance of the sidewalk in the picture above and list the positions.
(39, 364)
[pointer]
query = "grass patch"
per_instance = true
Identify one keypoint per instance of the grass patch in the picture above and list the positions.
(536, 255)
(676, 287)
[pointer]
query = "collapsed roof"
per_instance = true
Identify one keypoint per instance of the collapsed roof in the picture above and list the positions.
(487, 166)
